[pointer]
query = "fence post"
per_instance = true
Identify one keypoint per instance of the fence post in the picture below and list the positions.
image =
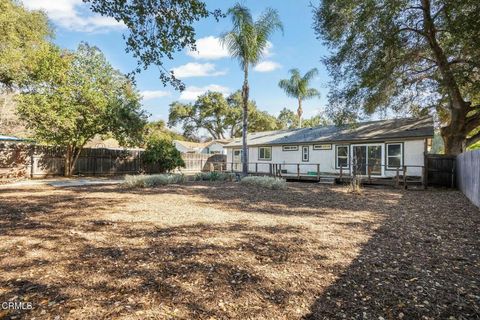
(397, 183)
(452, 183)
(404, 177)
(318, 171)
(298, 170)
(256, 167)
(369, 174)
(341, 171)
(424, 184)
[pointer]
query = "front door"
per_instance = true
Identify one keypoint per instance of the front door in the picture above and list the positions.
(367, 158)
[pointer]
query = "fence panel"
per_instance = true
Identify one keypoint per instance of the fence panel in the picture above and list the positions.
(468, 175)
(441, 170)
(32, 161)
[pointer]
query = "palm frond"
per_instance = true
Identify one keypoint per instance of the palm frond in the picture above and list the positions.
(248, 40)
(312, 73)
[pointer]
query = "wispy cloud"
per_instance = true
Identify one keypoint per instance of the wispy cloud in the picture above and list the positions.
(74, 15)
(267, 66)
(154, 94)
(209, 48)
(192, 92)
(194, 69)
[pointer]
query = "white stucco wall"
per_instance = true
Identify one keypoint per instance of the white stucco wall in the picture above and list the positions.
(413, 154)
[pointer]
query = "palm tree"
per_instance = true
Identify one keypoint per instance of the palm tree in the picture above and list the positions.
(247, 42)
(297, 87)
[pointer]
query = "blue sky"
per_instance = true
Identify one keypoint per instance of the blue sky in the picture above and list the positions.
(211, 68)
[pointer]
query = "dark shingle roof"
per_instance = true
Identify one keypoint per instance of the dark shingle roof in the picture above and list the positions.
(373, 130)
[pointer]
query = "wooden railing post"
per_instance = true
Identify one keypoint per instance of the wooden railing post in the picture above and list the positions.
(298, 170)
(270, 169)
(256, 167)
(404, 177)
(397, 181)
(279, 169)
(424, 181)
(318, 171)
(341, 171)
(369, 174)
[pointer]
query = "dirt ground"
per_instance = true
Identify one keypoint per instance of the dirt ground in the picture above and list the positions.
(225, 251)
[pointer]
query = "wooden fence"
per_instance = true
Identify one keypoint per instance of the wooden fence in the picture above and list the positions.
(441, 170)
(468, 175)
(31, 161)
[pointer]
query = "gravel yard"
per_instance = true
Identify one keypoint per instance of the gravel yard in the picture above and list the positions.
(227, 251)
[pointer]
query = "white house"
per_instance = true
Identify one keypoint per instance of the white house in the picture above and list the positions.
(379, 147)
(211, 147)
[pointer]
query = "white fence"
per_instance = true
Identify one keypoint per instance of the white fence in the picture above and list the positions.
(468, 175)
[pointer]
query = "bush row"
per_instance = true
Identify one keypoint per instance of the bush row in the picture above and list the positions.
(147, 181)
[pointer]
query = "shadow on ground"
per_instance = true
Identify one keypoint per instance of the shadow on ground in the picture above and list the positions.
(311, 252)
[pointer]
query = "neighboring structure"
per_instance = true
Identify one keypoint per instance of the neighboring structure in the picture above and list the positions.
(211, 147)
(378, 147)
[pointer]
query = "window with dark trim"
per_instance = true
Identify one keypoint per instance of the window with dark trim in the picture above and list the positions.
(305, 153)
(341, 159)
(265, 153)
(394, 154)
(289, 148)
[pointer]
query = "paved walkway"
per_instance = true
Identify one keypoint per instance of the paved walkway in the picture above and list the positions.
(66, 182)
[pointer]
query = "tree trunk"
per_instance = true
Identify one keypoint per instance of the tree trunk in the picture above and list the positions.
(299, 113)
(455, 133)
(68, 160)
(71, 157)
(245, 92)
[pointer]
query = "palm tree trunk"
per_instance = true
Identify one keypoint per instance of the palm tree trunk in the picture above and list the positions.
(245, 93)
(299, 113)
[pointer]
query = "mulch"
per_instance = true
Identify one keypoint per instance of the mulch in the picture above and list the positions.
(226, 251)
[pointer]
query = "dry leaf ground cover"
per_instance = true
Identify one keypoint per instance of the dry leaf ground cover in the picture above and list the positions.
(226, 251)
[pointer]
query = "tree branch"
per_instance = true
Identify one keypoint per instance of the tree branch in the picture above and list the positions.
(473, 139)
(472, 122)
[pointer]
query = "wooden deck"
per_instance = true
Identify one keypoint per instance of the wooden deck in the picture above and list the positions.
(401, 179)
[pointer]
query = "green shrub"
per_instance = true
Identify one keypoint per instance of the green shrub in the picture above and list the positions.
(214, 176)
(162, 153)
(148, 181)
(265, 182)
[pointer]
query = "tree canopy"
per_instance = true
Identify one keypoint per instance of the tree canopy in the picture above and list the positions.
(156, 29)
(288, 119)
(297, 86)
(23, 34)
(421, 55)
(221, 117)
(77, 95)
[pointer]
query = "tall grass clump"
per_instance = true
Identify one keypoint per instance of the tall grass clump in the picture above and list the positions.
(265, 182)
(214, 176)
(148, 181)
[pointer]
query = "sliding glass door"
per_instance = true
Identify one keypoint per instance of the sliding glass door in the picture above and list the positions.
(367, 157)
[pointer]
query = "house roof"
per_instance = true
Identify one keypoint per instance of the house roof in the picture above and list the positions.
(406, 128)
(197, 145)
(192, 145)
(221, 141)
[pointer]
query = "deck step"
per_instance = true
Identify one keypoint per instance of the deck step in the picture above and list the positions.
(327, 180)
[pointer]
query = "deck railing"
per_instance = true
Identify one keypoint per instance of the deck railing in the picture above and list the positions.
(403, 175)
